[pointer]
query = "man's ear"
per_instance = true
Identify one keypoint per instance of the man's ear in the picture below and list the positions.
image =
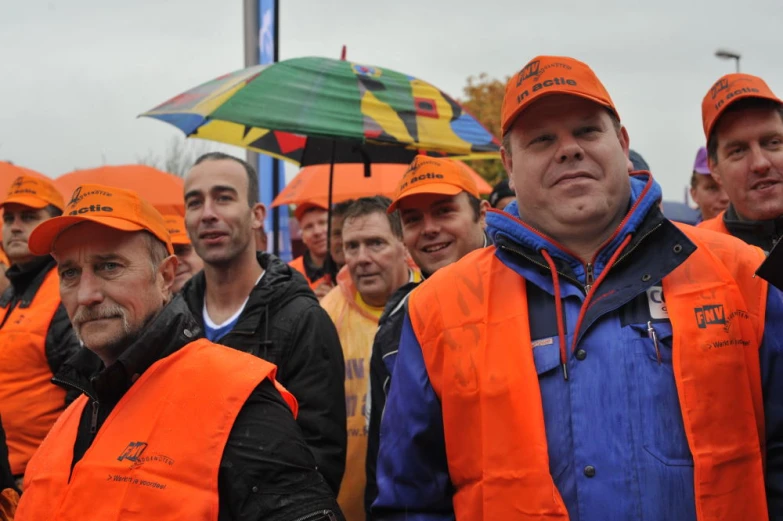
(483, 207)
(259, 214)
(167, 272)
(715, 171)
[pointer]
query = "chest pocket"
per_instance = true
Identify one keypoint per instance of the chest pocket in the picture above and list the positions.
(658, 416)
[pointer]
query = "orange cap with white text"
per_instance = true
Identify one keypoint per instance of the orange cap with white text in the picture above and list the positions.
(730, 89)
(434, 175)
(34, 192)
(116, 208)
(545, 75)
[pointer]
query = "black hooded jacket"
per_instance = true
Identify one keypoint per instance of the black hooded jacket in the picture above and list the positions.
(283, 323)
(763, 234)
(264, 452)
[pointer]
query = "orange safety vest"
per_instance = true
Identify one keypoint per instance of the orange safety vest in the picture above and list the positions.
(715, 224)
(158, 453)
(465, 316)
(298, 265)
(29, 402)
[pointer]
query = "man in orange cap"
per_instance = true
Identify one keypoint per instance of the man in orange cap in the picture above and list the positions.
(598, 361)
(168, 425)
(312, 218)
(743, 124)
(189, 263)
(443, 219)
(35, 333)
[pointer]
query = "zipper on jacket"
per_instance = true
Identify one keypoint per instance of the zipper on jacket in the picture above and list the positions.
(74, 385)
(589, 279)
(318, 516)
(93, 401)
(523, 255)
(94, 421)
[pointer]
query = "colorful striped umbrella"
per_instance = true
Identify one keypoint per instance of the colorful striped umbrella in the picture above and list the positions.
(321, 110)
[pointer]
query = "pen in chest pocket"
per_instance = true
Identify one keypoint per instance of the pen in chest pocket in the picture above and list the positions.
(654, 337)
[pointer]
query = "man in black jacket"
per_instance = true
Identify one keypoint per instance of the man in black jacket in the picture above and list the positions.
(255, 303)
(35, 333)
(442, 221)
(169, 425)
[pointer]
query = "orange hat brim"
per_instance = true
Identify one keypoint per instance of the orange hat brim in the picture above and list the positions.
(41, 241)
(27, 200)
(429, 188)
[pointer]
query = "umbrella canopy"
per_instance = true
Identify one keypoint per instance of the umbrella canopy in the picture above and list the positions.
(9, 172)
(319, 110)
(311, 184)
(163, 190)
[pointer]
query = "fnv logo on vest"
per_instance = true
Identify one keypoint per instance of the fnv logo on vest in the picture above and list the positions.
(710, 315)
(133, 451)
(78, 196)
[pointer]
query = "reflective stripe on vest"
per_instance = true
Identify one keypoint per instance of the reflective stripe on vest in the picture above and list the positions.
(29, 402)
(466, 311)
(158, 454)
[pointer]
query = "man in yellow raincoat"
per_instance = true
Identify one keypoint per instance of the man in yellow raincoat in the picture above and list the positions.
(376, 264)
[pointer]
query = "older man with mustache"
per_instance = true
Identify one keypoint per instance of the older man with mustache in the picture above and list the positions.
(168, 425)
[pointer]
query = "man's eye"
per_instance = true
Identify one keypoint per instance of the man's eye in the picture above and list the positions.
(109, 266)
(541, 139)
(68, 274)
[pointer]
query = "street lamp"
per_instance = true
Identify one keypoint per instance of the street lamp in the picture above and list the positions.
(728, 55)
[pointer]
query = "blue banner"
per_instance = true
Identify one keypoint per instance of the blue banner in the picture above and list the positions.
(271, 172)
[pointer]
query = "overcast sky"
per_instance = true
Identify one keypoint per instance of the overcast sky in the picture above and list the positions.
(76, 73)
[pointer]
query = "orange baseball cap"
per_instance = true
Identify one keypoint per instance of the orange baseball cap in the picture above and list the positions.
(303, 208)
(34, 192)
(545, 75)
(727, 90)
(176, 227)
(432, 175)
(114, 207)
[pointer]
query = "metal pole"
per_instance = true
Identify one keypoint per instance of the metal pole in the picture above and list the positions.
(251, 28)
(276, 163)
(738, 60)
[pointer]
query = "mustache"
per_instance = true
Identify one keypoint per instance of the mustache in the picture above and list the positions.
(85, 314)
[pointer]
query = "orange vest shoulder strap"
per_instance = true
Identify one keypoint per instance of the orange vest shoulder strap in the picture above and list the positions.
(717, 310)
(463, 317)
(715, 224)
(742, 260)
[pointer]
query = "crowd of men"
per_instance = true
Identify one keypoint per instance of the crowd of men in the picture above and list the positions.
(561, 351)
